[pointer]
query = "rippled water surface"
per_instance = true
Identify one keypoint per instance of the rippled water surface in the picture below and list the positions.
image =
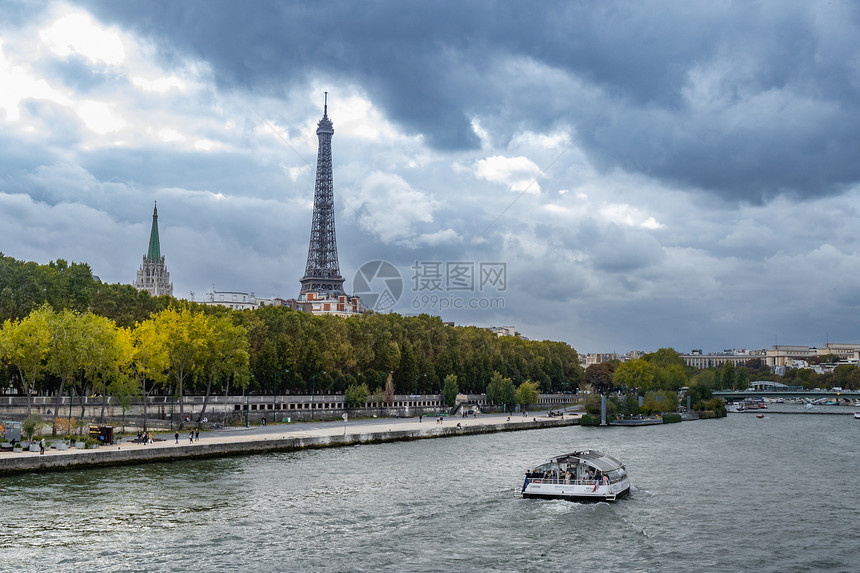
(742, 493)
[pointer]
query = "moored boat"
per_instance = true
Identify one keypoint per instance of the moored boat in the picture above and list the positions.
(636, 421)
(588, 475)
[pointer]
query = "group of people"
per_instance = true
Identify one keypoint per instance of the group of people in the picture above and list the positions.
(569, 475)
(144, 438)
(193, 436)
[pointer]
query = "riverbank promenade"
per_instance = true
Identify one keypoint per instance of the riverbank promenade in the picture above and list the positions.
(271, 438)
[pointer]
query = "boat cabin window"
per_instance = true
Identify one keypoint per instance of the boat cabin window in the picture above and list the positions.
(617, 475)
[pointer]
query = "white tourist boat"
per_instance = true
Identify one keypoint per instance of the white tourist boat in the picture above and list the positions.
(588, 475)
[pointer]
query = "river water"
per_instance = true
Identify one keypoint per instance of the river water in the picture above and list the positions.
(741, 493)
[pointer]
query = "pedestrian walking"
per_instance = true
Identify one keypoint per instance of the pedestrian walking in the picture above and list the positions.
(191, 436)
(197, 435)
(176, 435)
(42, 446)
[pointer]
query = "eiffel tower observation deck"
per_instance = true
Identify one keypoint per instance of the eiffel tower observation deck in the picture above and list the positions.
(322, 273)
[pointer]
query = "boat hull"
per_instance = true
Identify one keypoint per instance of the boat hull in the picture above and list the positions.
(578, 493)
(637, 422)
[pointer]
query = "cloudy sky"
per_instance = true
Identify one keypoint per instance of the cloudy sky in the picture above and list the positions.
(628, 175)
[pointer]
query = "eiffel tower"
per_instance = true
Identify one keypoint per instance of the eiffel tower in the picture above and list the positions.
(322, 273)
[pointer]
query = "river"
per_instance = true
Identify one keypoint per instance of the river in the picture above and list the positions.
(778, 493)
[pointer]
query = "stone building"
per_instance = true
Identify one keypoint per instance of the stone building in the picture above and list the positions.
(153, 276)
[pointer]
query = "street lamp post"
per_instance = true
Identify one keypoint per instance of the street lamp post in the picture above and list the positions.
(69, 425)
(417, 378)
(313, 388)
(248, 402)
(275, 396)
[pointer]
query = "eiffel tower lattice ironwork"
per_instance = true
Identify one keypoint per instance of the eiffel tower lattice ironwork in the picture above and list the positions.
(322, 273)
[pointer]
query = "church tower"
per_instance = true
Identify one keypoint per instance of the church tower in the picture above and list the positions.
(322, 286)
(153, 276)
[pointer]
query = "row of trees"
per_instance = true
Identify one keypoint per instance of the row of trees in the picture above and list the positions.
(301, 353)
(290, 351)
(665, 370)
(82, 354)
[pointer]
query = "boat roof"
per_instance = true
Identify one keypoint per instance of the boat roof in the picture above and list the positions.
(593, 458)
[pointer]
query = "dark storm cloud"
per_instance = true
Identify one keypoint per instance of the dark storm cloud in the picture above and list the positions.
(745, 100)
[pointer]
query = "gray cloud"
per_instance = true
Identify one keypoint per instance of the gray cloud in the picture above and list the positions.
(702, 183)
(745, 101)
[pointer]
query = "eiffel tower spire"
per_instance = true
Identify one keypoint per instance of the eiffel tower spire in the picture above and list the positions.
(322, 273)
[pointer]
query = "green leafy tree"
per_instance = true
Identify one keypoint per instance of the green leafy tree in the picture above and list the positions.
(25, 344)
(705, 378)
(31, 426)
(108, 351)
(742, 378)
(631, 404)
(671, 377)
(599, 376)
(501, 390)
(185, 334)
(149, 360)
(450, 390)
(638, 374)
(659, 401)
(593, 404)
(527, 393)
(389, 389)
(67, 353)
(727, 376)
(225, 356)
(664, 358)
(698, 394)
(357, 395)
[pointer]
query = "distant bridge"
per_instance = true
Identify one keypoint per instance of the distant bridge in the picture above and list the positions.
(811, 394)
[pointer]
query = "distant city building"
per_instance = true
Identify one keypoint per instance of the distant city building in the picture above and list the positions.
(718, 359)
(787, 355)
(153, 276)
(599, 358)
(235, 300)
(768, 386)
(503, 330)
(322, 302)
(322, 286)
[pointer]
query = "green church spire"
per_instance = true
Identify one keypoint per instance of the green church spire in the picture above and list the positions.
(153, 276)
(154, 252)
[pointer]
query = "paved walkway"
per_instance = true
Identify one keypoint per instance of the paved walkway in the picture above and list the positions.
(234, 435)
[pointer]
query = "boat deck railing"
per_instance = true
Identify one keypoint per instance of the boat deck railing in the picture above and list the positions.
(553, 481)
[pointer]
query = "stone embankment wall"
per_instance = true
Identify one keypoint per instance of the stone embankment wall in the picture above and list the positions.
(117, 455)
(235, 409)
